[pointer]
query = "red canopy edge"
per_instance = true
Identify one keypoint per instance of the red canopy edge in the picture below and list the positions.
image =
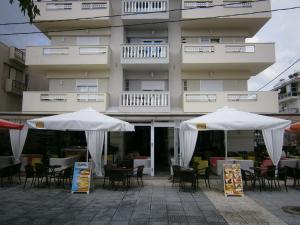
(295, 127)
(10, 125)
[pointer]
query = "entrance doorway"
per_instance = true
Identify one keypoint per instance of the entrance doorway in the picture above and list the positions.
(161, 151)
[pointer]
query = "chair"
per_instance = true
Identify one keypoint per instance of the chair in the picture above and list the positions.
(4, 172)
(248, 176)
(282, 176)
(117, 176)
(204, 174)
(107, 169)
(15, 171)
(175, 177)
(139, 175)
(40, 173)
(270, 176)
(29, 173)
(187, 177)
(65, 175)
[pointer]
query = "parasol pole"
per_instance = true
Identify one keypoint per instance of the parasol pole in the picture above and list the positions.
(225, 143)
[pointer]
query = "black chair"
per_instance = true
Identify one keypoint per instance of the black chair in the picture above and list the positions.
(248, 176)
(117, 176)
(29, 173)
(139, 175)
(15, 170)
(5, 173)
(175, 177)
(41, 172)
(65, 176)
(204, 174)
(282, 176)
(271, 177)
(187, 180)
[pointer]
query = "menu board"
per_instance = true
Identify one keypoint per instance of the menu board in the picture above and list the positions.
(233, 183)
(81, 177)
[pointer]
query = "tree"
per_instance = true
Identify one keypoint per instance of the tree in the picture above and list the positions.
(28, 7)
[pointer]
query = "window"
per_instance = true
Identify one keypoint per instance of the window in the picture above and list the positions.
(208, 40)
(12, 73)
(185, 85)
(211, 85)
(87, 85)
(126, 85)
(155, 85)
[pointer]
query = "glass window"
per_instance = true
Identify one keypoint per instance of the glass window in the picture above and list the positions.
(87, 85)
(211, 85)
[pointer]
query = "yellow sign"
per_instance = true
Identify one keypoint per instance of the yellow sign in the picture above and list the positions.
(201, 126)
(39, 124)
(233, 183)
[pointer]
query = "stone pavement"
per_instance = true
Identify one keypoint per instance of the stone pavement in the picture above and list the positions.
(156, 203)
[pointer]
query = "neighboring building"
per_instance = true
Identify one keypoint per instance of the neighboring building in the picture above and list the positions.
(153, 75)
(289, 94)
(13, 78)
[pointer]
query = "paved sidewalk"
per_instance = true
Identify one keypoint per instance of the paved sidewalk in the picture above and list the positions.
(157, 204)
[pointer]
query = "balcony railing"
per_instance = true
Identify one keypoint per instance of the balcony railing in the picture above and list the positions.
(149, 101)
(15, 86)
(247, 101)
(144, 51)
(17, 54)
(63, 101)
(253, 57)
(134, 7)
(68, 56)
(197, 4)
(288, 95)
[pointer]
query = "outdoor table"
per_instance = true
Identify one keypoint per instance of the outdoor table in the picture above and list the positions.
(187, 175)
(126, 172)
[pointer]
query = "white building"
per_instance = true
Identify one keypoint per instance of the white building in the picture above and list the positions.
(160, 62)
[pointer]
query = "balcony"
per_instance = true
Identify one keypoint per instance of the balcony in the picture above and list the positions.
(245, 57)
(14, 87)
(144, 10)
(68, 57)
(63, 101)
(145, 102)
(219, 14)
(17, 55)
(204, 102)
(143, 57)
(288, 96)
(55, 15)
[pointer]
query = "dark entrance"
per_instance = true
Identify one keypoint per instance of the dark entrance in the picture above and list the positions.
(161, 151)
(138, 142)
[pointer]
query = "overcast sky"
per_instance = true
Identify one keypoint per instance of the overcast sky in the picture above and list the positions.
(283, 29)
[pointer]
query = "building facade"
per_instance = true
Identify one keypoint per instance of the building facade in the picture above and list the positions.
(153, 63)
(289, 97)
(13, 78)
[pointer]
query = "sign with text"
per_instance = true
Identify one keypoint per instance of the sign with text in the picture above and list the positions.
(233, 183)
(81, 177)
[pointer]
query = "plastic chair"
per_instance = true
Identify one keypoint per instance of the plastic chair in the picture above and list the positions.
(282, 176)
(139, 175)
(29, 173)
(175, 177)
(204, 174)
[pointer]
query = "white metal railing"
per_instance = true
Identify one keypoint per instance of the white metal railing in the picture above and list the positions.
(56, 51)
(240, 48)
(53, 97)
(145, 99)
(200, 97)
(92, 50)
(241, 97)
(133, 6)
(59, 6)
(90, 97)
(237, 4)
(197, 4)
(288, 94)
(94, 5)
(201, 48)
(144, 51)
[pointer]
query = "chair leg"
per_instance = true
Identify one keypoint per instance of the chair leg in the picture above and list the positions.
(25, 182)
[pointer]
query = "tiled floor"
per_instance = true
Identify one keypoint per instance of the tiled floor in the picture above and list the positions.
(156, 203)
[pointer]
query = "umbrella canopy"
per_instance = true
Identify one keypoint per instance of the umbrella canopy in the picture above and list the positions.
(82, 120)
(231, 119)
(10, 125)
(295, 127)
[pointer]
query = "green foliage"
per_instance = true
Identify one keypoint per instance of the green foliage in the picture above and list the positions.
(28, 7)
